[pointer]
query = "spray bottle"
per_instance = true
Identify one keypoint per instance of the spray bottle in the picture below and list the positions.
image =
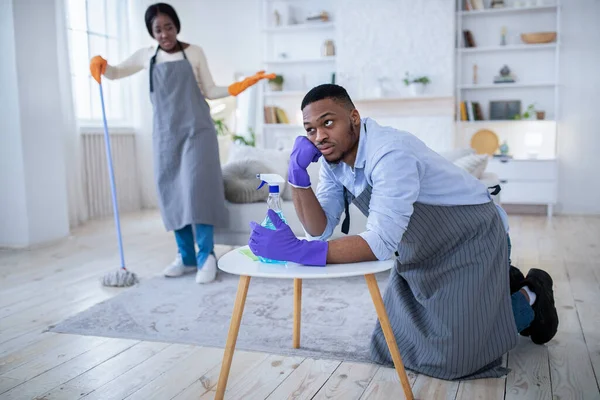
(274, 203)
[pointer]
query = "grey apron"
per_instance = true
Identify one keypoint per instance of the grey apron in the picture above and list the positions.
(448, 296)
(186, 152)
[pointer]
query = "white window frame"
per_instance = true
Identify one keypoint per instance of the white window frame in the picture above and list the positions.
(123, 85)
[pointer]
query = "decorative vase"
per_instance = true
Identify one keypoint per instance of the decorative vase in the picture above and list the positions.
(540, 114)
(416, 89)
(504, 148)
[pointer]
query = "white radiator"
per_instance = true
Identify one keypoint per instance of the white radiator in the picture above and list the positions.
(96, 179)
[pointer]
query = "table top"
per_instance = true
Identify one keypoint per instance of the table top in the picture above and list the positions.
(237, 263)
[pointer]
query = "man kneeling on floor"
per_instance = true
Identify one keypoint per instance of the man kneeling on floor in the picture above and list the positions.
(454, 302)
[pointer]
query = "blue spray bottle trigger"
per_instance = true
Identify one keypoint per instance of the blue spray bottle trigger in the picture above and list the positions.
(261, 185)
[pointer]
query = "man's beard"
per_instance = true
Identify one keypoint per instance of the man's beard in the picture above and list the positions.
(353, 134)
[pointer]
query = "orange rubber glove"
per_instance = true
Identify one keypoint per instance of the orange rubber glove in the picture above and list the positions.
(98, 67)
(238, 87)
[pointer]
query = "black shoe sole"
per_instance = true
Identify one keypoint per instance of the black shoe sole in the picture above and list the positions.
(545, 323)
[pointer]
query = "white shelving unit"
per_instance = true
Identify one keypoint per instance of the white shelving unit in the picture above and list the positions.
(532, 143)
(293, 49)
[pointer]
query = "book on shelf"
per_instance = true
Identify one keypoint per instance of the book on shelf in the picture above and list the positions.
(468, 39)
(470, 111)
(275, 115)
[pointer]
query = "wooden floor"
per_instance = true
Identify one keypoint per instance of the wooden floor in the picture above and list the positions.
(43, 286)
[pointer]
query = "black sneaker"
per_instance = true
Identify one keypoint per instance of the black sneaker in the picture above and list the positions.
(516, 279)
(545, 323)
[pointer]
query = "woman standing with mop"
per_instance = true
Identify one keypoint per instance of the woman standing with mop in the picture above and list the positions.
(186, 155)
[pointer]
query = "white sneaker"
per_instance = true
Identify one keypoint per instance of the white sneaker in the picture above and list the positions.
(177, 268)
(208, 272)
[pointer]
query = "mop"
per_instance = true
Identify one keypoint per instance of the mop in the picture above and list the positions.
(120, 277)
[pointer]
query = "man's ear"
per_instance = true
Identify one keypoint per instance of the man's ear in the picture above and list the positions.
(355, 117)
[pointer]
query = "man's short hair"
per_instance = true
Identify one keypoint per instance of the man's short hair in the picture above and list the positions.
(328, 91)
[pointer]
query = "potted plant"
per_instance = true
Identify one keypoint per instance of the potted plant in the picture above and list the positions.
(276, 83)
(243, 140)
(530, 113)
(416, 85)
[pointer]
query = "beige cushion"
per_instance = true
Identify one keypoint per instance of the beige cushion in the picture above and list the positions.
(474, 164)
(239, 178)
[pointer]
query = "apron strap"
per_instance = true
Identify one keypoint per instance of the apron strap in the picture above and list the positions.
(153, 61)
(346, 223)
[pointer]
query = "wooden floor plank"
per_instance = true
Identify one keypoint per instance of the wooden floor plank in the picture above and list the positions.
(205, 386)
(68, 370)
(586, 290)
(386, 385)
(570, 366)
(306, 380)
(529, 378)
(264, 379)
(108, 371)
(348, 382)
(426, 387)
(482, 389)
(54, 357)
(130, 381)
(181, 376)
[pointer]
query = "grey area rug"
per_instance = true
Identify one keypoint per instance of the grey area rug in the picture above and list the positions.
(338, 315)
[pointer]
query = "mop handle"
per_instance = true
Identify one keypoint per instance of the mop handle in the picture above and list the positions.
(111, 173)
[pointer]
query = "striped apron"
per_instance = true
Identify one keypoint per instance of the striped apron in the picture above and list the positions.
(188, 174)
(448, 296)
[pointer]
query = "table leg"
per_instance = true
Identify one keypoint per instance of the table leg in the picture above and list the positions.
(297, 311)
(389, 334)
(234, 327)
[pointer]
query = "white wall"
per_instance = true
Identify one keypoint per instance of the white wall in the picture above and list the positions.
(229, 33)
(579, 124)
(36, 194)
(386, 38)
(13, 205)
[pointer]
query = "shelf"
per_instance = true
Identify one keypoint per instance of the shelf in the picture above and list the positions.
(404, 99)
(286, 93)
(506, 86)
(305, 61)
(515, 47)
(309, 26)
(506, 10)
(507, 121)
(283, 126)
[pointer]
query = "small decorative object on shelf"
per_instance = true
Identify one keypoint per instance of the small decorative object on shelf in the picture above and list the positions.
(503, 36)
(504, 110)
(505, 76)
(528, 114)
(277, 18)
(323, 17)
(497, 4)
(538, 37)
(540, 115)
(416, 85)
(504, 148)
(328, 49)
(474, 74)
(468, 39)
(276, 83)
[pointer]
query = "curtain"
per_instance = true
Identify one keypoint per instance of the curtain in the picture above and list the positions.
(76, 198)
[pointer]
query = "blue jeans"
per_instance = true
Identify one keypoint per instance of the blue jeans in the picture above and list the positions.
(185, 243)
(521, 309)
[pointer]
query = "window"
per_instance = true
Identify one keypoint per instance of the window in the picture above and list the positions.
(97, 27)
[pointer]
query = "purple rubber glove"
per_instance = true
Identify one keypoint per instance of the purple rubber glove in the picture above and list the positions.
(281, 244)
(303, 153)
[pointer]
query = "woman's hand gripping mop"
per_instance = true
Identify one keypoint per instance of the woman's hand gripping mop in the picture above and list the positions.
(273, 241)
(120, 277)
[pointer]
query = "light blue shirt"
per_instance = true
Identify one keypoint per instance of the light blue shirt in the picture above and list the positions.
(402, 170)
